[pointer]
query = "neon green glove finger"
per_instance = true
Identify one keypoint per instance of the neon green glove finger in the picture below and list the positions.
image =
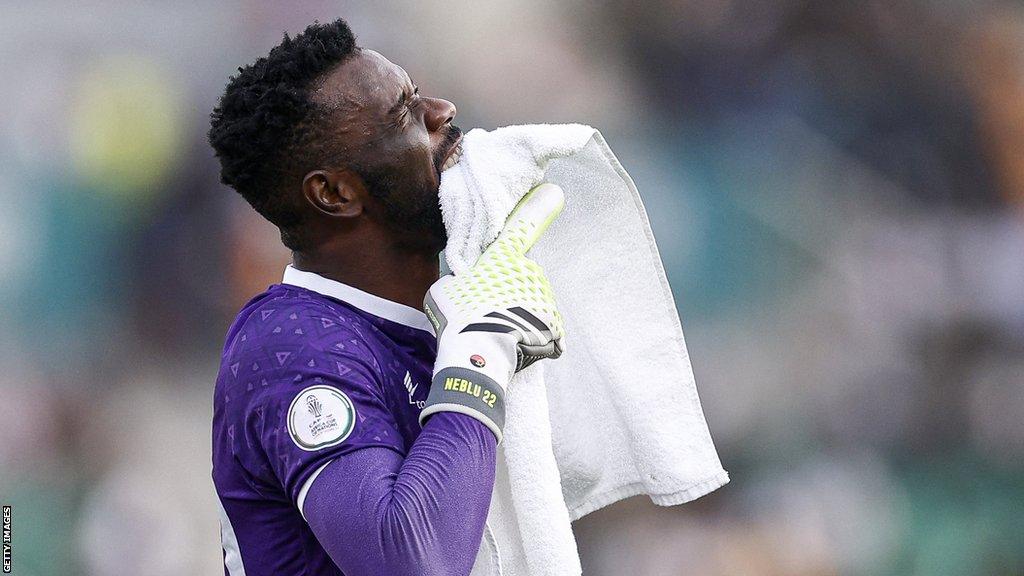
(529, 219)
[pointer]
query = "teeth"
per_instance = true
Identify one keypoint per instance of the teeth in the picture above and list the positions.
(453, 159)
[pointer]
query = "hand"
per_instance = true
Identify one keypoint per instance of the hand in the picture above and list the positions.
(496, 318)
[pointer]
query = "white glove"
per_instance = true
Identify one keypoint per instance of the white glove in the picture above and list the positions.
(496, 318)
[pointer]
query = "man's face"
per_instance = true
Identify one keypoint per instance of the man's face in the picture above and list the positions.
(396, 140)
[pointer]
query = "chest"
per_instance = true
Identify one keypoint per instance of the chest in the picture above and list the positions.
(407, 373)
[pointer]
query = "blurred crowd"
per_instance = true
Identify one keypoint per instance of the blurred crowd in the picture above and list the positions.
(836, 187)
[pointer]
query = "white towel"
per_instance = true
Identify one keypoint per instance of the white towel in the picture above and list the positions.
(617, 415)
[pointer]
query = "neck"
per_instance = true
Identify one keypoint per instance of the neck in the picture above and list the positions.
(391, 271)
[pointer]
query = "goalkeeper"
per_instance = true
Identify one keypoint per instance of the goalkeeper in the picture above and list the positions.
(348, 439)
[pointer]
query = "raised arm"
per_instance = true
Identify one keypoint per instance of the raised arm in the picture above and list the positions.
(377, 513)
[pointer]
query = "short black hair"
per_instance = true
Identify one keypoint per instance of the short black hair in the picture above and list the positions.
(263, 120)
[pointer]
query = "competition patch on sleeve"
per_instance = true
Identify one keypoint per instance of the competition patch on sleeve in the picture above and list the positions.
(319, 417)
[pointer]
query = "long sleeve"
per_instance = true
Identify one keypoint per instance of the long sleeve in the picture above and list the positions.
(377, 512)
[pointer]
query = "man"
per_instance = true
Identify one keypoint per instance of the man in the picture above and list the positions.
(346, 438)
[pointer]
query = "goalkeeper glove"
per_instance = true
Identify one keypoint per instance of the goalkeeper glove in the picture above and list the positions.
(496, 318)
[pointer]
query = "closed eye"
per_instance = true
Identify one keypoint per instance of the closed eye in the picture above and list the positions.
(400, 111)
(404, 100)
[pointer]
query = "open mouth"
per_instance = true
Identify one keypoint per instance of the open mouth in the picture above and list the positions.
(454, 155)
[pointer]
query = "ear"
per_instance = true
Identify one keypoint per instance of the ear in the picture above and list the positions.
(334, 193)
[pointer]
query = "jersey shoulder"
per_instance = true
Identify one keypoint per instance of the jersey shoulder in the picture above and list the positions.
(288, 332)
(299, 383)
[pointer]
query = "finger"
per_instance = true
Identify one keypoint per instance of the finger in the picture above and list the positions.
(559, 348)
(531, 217)
(430, 307)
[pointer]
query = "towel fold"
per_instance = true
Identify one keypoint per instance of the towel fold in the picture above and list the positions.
(618, 414)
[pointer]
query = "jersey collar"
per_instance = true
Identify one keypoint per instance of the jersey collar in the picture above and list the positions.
(365, 301)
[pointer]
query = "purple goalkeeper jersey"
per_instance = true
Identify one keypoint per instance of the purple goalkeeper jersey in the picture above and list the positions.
(312, 370)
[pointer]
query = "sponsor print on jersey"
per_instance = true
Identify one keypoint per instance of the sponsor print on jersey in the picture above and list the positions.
(319, 417)
(411, 388)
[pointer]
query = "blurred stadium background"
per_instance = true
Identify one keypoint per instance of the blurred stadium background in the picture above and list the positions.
(837, 188)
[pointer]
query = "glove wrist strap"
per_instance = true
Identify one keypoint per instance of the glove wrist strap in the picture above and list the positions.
(457, 389)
